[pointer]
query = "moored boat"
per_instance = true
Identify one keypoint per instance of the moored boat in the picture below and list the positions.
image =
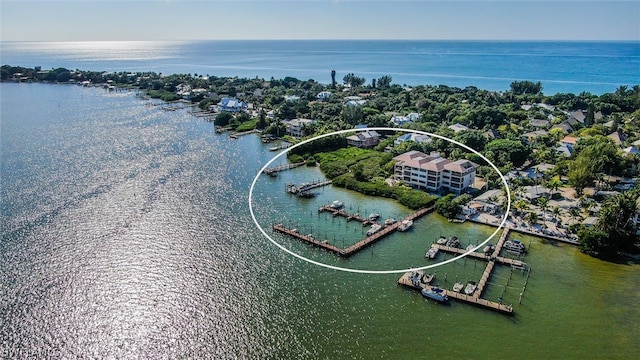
(374, 216)
(514, 246)
(390, 221)
(457, 287)
(470, 288)
(337, 204)
(442, 240)
(435, 293)
(431, 253)
(405, 225)
(374, 229)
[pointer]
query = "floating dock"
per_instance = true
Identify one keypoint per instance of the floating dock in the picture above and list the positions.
(491, 259)
(303, 189)
(273, 171)
(345, 214)
(405, 280)
(346, 252)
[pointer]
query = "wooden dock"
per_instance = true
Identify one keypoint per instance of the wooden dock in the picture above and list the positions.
(345, 214)
(273, 171)
(491, 259)
(360, 244)
(309, 239)
(303, 189)
(405, 280)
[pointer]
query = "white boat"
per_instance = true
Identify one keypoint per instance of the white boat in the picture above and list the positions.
(514, 246)
(374, 229)
(457, 287)
(406, 225)
(427, 278)
(374, 216)
(453, 242)
(432, 252)
(337, 204)
(488, 249)
(470, 247)
(470, 288)
(390, 221)
(435, 293)
(442, 240)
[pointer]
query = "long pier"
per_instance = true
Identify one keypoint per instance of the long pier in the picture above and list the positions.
(357, 246)
(273, 171)
(405, 280)
(309, 239)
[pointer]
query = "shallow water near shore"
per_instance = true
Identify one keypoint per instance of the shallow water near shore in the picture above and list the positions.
(126, 233)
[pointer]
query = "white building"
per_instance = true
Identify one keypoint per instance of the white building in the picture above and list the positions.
(416, 137)
(323, 95)
(296, 127)
(399, 120)
(434, 173)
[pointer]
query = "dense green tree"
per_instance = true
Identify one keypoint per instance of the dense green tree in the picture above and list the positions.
(503, 151)
(384, 81)
(223, 119)
(526, 87)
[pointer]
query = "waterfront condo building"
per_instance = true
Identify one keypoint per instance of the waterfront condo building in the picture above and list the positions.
(434, 173)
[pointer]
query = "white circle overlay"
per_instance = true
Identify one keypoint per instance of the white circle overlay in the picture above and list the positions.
(362, 271)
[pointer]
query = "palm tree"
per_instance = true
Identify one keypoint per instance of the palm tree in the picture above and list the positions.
(543, 202)
(554, 184)
(521, 205)
(531, 218)
(574, 212)
(556, 212)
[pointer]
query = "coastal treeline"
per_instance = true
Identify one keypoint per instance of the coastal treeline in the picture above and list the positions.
(587, 139)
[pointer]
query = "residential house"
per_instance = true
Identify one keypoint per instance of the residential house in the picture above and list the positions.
(533, 136)
(434, 173)
(533, 193)
(617, 137)
(570, 142)
(564, 150)
(399, 119)
(296, 127)
(364, 139)
(539, 123)
(354, 101)
(564, 126)
(577, 115)
(630, 151)
(323, 95)
(231, 104)
(458, 127)
(491, 134)
(419, 138)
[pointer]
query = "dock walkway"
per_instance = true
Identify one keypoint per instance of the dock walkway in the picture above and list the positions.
(405, 280)
(360, 244)
(491, 259)
(301, 190)
(273, 171)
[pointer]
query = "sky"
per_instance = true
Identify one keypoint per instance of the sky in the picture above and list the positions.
(123, 20)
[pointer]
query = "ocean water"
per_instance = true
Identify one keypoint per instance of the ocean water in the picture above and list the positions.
(568, 67)
(125, 233)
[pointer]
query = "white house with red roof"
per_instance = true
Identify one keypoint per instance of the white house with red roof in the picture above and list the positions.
(434, 173)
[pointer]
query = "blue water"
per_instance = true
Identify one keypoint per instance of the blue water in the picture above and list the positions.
(125, 233)
(569, 67)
